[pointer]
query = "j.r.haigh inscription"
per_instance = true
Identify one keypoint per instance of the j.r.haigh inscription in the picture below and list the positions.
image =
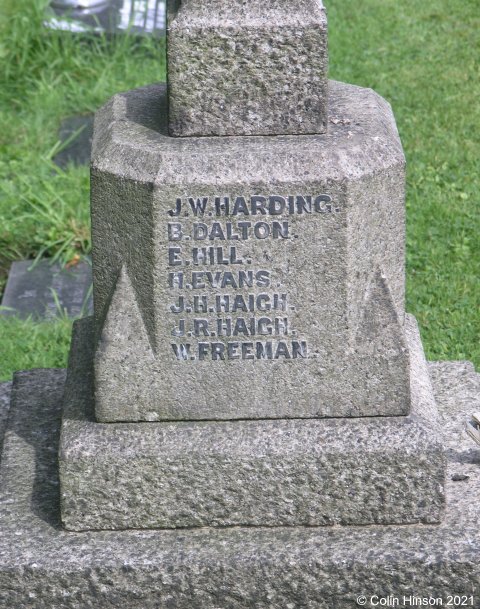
(243, 313)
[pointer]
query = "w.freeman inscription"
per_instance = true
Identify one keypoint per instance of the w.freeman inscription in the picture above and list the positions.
(242, 312)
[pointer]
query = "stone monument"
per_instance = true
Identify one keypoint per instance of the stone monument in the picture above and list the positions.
(249, 378)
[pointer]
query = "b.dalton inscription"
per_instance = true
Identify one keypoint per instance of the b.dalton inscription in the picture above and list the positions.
(220, 326)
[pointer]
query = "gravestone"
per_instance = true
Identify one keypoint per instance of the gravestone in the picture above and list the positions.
(45, 291)
(75, 134)
(244, 306)
(138, 17)
(249, 377)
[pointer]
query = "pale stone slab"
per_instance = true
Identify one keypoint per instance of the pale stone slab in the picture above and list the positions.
(256, 473)
(247, 68)
(249, 277)
(43, 566)
(78, 150)
(457, 409)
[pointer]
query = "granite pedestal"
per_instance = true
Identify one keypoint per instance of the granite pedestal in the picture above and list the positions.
(47, 291)
(270, 67)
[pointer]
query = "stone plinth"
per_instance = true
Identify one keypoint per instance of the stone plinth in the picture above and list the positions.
(380, 470)
(43, 566)
(247, 68)
(248, 277)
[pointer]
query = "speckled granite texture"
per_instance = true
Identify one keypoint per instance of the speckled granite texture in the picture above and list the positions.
(243, 68)
(44, 567)
(379, 470)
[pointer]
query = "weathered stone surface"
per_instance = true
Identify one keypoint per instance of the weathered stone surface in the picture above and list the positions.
(43, 566)
(308, 263)
(5, 392)
(242, 68)
(256, 473)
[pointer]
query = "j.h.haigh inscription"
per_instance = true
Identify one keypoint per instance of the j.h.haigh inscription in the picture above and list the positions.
(245, 315)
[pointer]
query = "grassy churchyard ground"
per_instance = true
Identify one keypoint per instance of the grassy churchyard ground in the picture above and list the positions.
(422, 56)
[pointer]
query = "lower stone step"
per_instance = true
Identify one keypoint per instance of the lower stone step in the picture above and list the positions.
(285, 472)
(44, 566)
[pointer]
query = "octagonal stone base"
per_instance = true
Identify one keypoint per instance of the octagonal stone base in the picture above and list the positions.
(250, 268)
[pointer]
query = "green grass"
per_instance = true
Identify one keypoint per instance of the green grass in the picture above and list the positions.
(422, 56)
(44, 78)
(26, 344)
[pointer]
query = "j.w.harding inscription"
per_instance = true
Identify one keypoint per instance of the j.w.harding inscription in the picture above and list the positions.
(252, 322)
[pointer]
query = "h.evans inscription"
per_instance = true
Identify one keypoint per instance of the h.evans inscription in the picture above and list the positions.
(229, 306)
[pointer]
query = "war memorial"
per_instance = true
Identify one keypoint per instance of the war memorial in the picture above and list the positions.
(248, 419)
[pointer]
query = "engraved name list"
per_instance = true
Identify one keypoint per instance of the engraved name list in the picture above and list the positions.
(227, 303)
